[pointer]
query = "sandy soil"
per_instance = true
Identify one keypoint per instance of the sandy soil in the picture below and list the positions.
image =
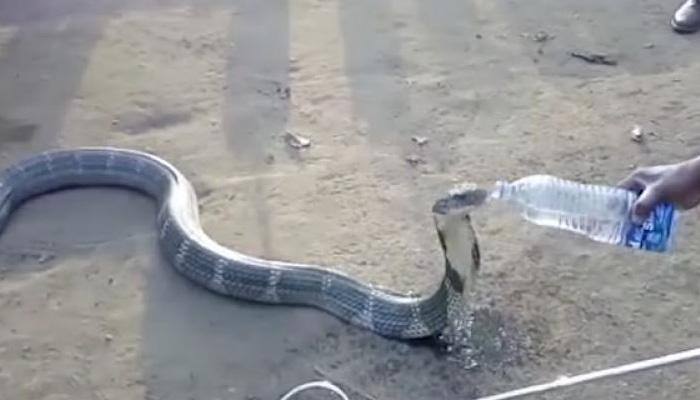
(89, 310)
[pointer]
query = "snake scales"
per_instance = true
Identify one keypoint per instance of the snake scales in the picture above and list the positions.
(222, 270)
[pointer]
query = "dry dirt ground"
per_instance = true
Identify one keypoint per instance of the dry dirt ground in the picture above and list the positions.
(89, 309)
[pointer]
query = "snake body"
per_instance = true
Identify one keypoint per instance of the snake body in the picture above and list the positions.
(222, 270)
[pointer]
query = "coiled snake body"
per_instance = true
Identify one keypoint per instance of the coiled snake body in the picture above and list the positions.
(217, 268)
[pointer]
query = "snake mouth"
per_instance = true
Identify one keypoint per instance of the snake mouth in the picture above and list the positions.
(460, 200)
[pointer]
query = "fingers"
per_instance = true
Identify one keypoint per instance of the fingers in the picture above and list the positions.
(640, 179)
(632, 183)
(646, 203)
(655, 185)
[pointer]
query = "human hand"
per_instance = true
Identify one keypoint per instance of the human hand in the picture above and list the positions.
(678, 184)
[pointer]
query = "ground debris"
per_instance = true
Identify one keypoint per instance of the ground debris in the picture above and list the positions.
(541, 36)
(296, 141)
(594, 58)
(637, 134)
(45, 257)
(420, 140)
(284, 93)
(414, 160)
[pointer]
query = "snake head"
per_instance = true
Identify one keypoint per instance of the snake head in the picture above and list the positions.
(457, 236)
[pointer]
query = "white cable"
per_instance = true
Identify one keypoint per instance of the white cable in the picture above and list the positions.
(591, 376)
(558, 383)
(316, 384)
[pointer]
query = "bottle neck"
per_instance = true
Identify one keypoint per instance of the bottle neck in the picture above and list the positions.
(502, 190)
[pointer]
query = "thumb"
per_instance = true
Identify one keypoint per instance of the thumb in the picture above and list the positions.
(646, 203)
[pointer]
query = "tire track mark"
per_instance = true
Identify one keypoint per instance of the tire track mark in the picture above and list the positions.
(257, 77)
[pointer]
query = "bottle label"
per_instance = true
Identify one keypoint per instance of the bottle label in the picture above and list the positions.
(656, 232)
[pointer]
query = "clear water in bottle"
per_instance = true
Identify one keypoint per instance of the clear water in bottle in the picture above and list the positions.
(601, 213)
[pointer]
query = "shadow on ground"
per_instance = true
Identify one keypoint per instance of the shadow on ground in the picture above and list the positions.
(200, 345)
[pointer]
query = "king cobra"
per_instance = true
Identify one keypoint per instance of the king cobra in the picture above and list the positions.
(199, 258)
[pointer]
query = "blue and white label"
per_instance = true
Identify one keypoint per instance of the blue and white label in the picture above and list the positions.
(656, 232)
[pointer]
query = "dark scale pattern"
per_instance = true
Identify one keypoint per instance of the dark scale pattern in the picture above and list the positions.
(245, 281)
(349, 298)
(62, 161)
(396, 318)
(301, 286)
(191, 262)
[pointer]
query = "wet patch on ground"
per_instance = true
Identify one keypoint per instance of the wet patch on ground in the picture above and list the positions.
(373, 367)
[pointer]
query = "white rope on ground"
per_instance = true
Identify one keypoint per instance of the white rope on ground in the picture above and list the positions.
(592, 376)
(316, 384)
(558, 383)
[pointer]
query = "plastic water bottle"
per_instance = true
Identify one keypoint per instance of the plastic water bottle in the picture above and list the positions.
(601, 213)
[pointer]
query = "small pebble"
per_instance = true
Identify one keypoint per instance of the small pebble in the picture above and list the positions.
(109, 338)
(297, 141)
(542, 36)
(45, 257)
(414, 160)
(637, 135)
(420, 140)
(649, 45)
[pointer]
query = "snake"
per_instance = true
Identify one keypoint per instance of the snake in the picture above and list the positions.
(222, 270)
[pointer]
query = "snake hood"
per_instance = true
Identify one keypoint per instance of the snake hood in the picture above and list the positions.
(457, 236)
